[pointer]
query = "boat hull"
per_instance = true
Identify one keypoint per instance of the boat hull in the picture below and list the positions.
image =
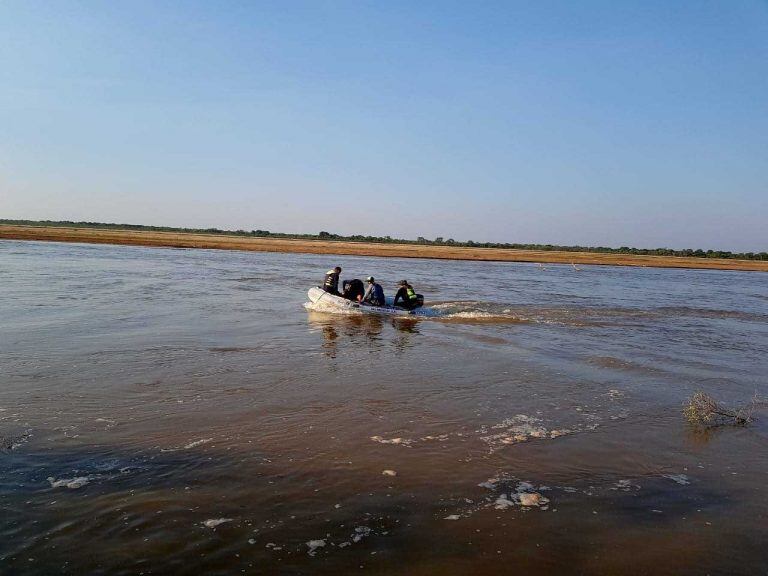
(331, 303)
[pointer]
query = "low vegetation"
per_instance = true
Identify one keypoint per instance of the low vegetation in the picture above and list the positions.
(439, 241)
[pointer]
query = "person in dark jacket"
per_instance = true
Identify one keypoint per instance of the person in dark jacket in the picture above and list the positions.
(406, 296)
(353, 290)
(375, 293)
(331, 281)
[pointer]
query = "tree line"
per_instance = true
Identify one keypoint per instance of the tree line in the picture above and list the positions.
(439, 241)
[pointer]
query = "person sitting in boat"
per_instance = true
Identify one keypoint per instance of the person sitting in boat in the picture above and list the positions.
(353, 290)
(374, 295)
(331, 281)
(406, 296)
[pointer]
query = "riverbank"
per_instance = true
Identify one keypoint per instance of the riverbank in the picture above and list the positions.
(224, 242)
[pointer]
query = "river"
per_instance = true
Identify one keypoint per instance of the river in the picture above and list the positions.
(181, 411)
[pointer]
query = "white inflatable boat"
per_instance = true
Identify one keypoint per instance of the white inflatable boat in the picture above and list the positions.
(330, 303)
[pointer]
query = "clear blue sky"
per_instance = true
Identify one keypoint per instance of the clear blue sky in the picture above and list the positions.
(597, 122)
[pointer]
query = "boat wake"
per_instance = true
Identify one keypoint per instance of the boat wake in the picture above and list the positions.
(459, 311)
(479, 312)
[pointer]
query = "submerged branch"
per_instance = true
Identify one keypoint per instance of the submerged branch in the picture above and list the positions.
(703, 410)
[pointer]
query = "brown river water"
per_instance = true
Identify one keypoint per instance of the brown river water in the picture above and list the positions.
(181, 412)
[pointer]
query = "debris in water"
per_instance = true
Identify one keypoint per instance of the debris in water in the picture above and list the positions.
(704, 410)
(532, 499)
(452, 517)
(389, 473)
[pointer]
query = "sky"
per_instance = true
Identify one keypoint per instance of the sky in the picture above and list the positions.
(582, 123)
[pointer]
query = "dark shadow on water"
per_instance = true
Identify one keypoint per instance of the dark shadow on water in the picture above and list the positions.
(145, 512)
(80, 510)
(699, 437)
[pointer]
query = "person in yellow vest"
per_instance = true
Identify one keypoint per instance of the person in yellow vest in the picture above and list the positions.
(407, 295)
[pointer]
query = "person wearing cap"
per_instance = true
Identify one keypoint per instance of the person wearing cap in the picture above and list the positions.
(374, 295)
(331, 281)
(407, 294)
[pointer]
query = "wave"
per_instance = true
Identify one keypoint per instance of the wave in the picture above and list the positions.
(711, 313)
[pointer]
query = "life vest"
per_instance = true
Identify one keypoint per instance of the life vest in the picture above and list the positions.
(331, 281)
(410, 293)
(377, 293)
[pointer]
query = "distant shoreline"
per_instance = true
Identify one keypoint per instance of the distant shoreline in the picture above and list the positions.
(346, 248)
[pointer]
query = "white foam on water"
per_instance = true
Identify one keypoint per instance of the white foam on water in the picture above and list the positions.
(491, 316)
(438, 438)
(396, 441)
(213, 522)
(197, 443)
(519, 428)
(446, 305)
(524, 487)
(109, 422)
(681, 479)
(15, 442)
(360, 533)
(313, 545)
(625, 486)
(71, 483)
(356, 536)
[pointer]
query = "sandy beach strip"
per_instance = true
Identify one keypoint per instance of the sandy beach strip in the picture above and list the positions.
(260, 244)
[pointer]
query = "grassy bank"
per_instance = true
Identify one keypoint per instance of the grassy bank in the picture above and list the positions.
(258, 244)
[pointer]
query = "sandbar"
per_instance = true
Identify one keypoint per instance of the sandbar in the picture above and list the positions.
(260, 244)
